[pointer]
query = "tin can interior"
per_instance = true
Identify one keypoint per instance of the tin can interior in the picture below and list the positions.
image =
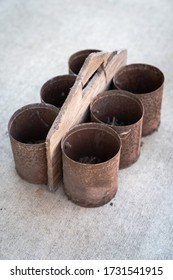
(139, 79)
(32, 125)
(92, 143)
(56, 91)
(123, 108)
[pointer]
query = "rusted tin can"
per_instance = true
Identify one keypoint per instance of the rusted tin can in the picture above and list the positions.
(146, 82)
(123, 112)
(28, 128)
(91, 154)
(56, 90)
(77, 59)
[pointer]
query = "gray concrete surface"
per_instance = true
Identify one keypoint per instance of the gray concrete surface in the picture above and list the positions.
(36, 39)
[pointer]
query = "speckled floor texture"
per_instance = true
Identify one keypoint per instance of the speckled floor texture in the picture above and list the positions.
(36, 39)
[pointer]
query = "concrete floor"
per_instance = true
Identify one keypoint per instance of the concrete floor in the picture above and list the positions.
(36, 39)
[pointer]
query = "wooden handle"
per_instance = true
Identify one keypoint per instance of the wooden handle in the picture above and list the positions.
(94, 77)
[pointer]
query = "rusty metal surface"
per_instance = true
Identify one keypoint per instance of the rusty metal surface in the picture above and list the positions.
(126, 114)
(55, 90)
(28, 128)
(77, 59)
(88, 184)
(146, 82)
